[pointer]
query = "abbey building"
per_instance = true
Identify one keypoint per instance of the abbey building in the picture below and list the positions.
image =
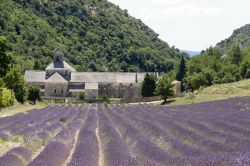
(61, 80)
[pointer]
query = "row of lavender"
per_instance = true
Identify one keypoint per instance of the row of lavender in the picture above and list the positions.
(212, 133)
(45, 135)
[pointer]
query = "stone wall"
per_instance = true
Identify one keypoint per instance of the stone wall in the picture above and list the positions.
(120, 90)
(56, 89)
(91, 94)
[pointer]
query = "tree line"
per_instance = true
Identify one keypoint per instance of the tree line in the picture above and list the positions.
(213, 66)
(12, 84)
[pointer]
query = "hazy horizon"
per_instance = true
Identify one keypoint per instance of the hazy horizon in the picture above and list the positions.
(190, 24)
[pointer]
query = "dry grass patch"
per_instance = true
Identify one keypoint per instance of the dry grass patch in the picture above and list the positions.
(21, 108)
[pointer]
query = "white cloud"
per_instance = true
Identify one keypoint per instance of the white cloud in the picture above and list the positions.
(191, 11)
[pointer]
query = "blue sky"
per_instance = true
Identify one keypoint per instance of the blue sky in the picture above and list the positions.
(190, 24)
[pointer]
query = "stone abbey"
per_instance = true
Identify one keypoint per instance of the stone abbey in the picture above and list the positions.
(61, 80)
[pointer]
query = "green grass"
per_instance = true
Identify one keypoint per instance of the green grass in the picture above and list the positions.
(216, 92)
(17, 139)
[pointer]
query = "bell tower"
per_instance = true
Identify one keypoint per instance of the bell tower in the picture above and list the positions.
(58, 56)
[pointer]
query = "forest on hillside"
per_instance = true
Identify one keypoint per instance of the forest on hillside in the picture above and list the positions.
(95, 35)
(228, 61)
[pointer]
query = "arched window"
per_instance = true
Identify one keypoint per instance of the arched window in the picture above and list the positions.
(57, 58)
(54, 91)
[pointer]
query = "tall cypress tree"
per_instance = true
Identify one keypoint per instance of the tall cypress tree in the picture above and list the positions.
(148, 86)
(181, 72)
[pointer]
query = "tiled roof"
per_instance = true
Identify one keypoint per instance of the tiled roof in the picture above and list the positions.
(57, 78)
(35, 76)
(106, 77)
(59, 66)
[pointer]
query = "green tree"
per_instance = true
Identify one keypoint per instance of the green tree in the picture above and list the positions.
(198, 80)
(181, 70)
(148, 86)
(81, 96)
(5, 58)
(15, 80)
(37, 65)
(244, 67)
(34, 94)
(7, 97)
(164, 88)
(235, 55)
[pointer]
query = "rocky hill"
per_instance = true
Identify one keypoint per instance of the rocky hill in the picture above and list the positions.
(95, 35)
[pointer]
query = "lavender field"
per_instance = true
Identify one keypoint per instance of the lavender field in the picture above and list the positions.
(212, 133)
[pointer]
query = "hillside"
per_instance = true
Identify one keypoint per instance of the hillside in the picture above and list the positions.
(95, 35)
(240, 37)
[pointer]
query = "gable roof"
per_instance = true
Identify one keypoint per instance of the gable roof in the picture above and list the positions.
(57, 50)
(58, 66)
(57, 78)
(35, 76)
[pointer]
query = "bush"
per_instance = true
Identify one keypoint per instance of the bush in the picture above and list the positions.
(228, 78)
(63, 120)
(7, 97)
(104, 97)
(198, 80)
(14, 80)
(81, 96)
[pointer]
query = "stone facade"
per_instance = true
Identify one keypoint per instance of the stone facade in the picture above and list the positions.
(61, 80)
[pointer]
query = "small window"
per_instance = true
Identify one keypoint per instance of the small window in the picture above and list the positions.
(54, 91)
(57, 58)
(61, 91)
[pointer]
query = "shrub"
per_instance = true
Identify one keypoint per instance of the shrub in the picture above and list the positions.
(198, 80)
(81, 96)
(14, 80)
(7, 97)
(106, 104)
(63, 120)
(17, 138)
(228, 78)
(104, 97)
